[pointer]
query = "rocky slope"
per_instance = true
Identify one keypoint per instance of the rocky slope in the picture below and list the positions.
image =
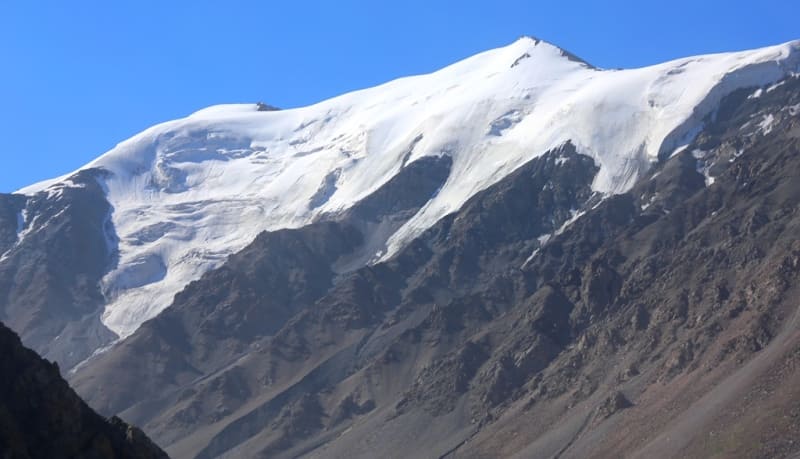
(56, 247)
(540, 320)
(41, 417)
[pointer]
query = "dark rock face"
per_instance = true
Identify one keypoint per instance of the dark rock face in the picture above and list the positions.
(540, 320)
(683, 305)
(41, 417)
(50, 281)
(262, 107)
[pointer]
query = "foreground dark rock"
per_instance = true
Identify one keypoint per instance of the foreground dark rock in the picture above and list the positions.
(41, 417)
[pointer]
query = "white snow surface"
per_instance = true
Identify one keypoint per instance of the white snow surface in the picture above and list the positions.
(189, 192)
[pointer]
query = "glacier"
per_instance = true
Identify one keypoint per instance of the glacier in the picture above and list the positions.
(187, 193)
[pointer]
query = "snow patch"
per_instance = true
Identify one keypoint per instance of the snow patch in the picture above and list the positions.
(542, 241)
(677, 151)
(736, 154)
(776, 86)
(27, 227)
(575, 215)
(703, 166)
(530, 257)
(756, 94)
(649, 202)
(21, 231)
(766, 123)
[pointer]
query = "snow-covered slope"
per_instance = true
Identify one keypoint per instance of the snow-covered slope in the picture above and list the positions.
(189, 192)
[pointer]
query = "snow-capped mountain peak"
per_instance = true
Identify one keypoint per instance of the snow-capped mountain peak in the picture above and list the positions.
(189, 192)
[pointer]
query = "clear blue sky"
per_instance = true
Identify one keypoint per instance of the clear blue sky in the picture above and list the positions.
(77, 76)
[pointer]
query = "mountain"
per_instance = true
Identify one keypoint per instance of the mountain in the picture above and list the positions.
(188, 193)
(41, 417)
(518, 255)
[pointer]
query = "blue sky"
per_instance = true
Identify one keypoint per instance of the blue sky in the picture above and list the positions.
(78, 77)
